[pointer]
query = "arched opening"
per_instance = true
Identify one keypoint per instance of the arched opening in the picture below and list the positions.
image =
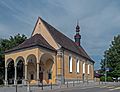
(77, 66)
(20, 69)
(10, 71)
(46, 65)
(32, 68)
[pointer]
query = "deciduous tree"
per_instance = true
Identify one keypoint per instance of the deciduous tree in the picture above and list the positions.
(6, 44)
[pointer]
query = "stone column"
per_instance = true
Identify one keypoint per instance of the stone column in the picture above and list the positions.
(15, 75)
(26, 74)
(86, 72)
(38, 73)
(6, 81)
(92, 71)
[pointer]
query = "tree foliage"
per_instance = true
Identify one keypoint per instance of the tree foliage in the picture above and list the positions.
(6, 44)
(112, 58)
(109, 79)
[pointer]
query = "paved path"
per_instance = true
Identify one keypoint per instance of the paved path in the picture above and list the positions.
(109, 87)
(94, 89)
(88, 89)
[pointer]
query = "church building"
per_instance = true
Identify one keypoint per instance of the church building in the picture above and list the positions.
(48, 56)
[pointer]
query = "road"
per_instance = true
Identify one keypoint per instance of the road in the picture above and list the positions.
(90, 89)
(95, 89)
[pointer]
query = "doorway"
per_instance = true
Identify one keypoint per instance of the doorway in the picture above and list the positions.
(41, 76)
(32, 77)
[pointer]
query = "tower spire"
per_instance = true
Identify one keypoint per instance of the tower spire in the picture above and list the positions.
(77, 22)
(77, 36)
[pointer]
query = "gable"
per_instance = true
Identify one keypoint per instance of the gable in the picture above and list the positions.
(57, 39)
(41, 29)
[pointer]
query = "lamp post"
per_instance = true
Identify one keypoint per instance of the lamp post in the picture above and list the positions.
(105, 76)
(15, 87)
(105, 71)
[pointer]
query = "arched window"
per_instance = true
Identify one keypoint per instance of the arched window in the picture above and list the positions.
(70, 64)
(77, 66)
(84, 68)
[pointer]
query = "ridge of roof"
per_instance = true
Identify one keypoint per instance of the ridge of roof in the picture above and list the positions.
(35, 25)
(65, 41)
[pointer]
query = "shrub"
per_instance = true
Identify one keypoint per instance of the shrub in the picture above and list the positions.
(109, 79)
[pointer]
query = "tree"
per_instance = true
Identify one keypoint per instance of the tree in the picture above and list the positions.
(6, 44)
(112, 58)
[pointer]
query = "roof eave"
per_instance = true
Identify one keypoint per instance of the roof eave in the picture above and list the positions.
(78, 54)
(17, 49)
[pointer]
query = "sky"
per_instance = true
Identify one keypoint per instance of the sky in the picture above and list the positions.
(99, 20)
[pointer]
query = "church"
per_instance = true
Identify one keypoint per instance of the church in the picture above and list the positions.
(48, 56)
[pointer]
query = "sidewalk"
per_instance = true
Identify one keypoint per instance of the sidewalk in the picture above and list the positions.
(55, 88)
(64, 87)
(75, 86)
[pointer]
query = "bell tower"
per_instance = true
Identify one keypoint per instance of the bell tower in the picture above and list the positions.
(77, 36)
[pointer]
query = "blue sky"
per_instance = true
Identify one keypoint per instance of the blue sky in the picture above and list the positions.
(99, 20)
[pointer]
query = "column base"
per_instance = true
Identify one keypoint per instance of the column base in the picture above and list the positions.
(6, 82)
(15, 82)
(62, 80)
(38, 82)
(25, 82)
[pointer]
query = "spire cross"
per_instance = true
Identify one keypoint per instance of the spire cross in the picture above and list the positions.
(77, 22)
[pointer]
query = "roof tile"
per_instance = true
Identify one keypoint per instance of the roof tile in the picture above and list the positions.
(65, 42)
(36, 40)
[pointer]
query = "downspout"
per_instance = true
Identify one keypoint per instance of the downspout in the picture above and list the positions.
(63, 69)
(56, 67)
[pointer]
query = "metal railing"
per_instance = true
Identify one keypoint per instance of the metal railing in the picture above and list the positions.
(37, 88)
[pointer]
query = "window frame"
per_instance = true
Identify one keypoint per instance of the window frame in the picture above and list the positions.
(77, 66)
(70, 64)
(83, 68)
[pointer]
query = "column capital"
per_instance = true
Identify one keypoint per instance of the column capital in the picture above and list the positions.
(26, 64)
(60, 52)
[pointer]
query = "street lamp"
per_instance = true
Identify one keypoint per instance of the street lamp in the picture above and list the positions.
(105, 71)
